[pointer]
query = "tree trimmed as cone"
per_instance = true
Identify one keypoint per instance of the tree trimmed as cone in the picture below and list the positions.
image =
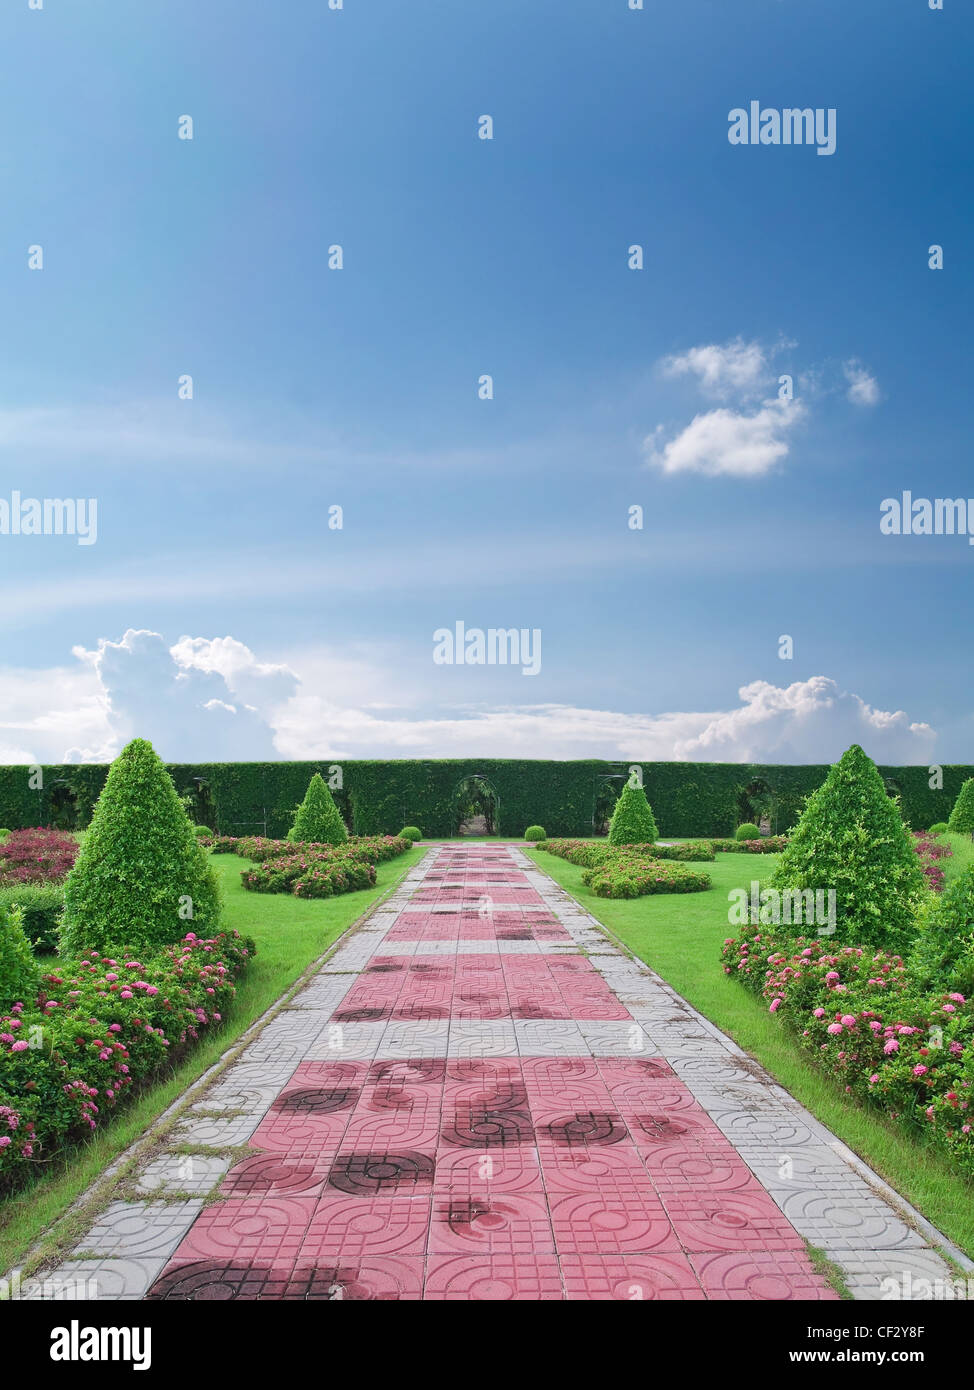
(633, 822)
(141, 879)
(962, 816)
(318, 820)
(851, 839)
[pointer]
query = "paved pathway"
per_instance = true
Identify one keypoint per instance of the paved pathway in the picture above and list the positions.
(481, 1098)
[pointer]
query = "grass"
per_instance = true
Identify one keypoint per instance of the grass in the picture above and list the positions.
(961, 857)
(680, 937)
(290, 934)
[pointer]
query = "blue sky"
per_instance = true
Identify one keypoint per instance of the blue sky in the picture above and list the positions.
(462, 256)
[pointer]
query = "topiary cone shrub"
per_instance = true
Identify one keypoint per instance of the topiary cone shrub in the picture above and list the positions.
(851, 839)
(962, 816)
(318, 820)
(141, 879)
(632, 820)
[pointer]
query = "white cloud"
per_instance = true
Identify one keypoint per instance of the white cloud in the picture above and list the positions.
(736, 368)
(863, 386)
(181, 698)
(728, 442)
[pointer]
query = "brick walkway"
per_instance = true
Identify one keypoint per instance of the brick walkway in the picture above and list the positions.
(480, 1097)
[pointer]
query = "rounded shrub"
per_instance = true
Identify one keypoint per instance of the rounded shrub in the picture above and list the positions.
(851, 840)
(411, 832)
(141, 879)
(939, 828)
(535, 832)
(203, 832)
(19, 973)
(632, 820)
(747, 831)
(317, 820)
(40, 907)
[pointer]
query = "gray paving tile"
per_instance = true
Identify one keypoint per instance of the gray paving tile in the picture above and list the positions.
(144, 1230)
(95, 1279)
(196, 1173)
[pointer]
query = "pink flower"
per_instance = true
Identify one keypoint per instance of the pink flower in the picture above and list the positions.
(818, 1013)
(834, 1028)
(848, 1021)
(874, 1078)
(20, 1046)
(4, 1140)
(891, 1046)
(126, 994)
(920, 1070)
(773, 1009)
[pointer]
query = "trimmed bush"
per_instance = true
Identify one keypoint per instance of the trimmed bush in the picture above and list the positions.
(632, 820)
(747, 831)
(317, 820)
(769, 844)
(962, 816)
(19, 975)
(943, 957)
(142, 879)
(203, 832)
(412, 833)
(851, 839)
(535, 833)
(632, 876)
(41, 905)
(938, 828)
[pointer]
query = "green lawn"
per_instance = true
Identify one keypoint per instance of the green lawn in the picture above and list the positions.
(962, 856)
(290, 934)
(680, 936)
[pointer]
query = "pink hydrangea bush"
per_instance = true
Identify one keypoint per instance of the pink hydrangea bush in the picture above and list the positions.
(98, 1029)
(38, 855)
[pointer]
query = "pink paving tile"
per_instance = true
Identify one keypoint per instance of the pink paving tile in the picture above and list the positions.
(653, 1128)
(728, 1221)
(293, 1132)
(677, 1168)
(617, 1219)
(615, 1169)
(264, 1231)
(481, 1128)
(559, 1069)
(402, 1172)
(666, 1097)
(387, 1131)
(495, 1223)
(620, 1069)
(463, 1172)
(490, 1072)
(347, 1228)
(219, 1280)
(493, 1278)
(276, 1175)
(377, 1278)
(416, 1071)
(329, 1074)
(782, 1276)
(631, 1278)
(561, 1126)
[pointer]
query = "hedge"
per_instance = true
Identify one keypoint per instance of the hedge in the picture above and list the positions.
(378, 797)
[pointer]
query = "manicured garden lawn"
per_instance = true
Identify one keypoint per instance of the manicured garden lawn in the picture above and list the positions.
(680, 937)
(962, 856)
(290, 933)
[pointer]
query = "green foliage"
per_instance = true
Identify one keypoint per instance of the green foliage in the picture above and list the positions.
(939, 827)
(943, 956)
(411, 833)
(202, 832)
(141, 879)
(851, 839)
(19, 975)
(40, 905)
(747, 831)
(318, 820)
(632, 820)
(962, 816)
(535, 832)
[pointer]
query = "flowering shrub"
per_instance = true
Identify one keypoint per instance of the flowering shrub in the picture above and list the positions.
(95, 1030)
(930, 850)
(36, 856)
(629, 871)
(863, 1014)
(771, 844)
(317, 871)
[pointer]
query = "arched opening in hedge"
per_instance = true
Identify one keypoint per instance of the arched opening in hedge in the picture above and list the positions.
(758, 804)
(607, 790)
(62, 810)
(476, 806)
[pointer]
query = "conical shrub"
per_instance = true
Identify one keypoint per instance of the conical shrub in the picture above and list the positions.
(633, 822)
(318, 820)
(19, 972)
(851, 840)
(141, 879)
(962, 816)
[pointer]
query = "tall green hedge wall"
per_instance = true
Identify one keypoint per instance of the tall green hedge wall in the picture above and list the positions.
(382, 796)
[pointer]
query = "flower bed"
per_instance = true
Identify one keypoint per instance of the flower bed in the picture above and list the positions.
(313, 871)
(930, 850)
(36, 856)
(770, 844)
(865, 1016)
(98, 1030)
(629, 871)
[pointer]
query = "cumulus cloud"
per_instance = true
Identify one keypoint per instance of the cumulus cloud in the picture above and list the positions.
(212, 699)
(725, 441)
(863, 386)
(735, 368)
